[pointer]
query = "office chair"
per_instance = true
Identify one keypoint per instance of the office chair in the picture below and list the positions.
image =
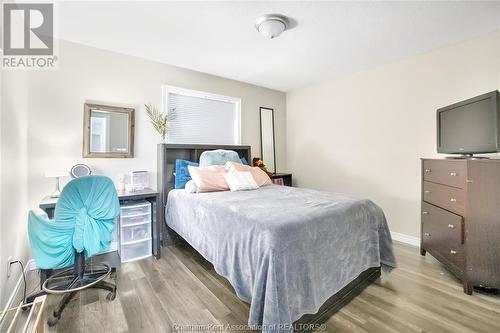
(83, 224)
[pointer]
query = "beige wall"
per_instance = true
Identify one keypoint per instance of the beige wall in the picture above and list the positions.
(13, 167)
(43, 117)
(365, 133)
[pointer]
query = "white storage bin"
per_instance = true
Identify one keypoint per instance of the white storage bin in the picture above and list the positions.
(136, 233)
(135, 251)
(135, 209)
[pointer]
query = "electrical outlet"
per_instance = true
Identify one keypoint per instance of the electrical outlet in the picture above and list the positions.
(9, 260)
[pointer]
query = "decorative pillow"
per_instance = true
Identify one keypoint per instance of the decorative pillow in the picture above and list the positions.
(218, 157)
(217, 168)
(181, 172)
(191, 187)
(240, 181)
(260, 177)
(244, 160)
(208, 180)
(236, 167)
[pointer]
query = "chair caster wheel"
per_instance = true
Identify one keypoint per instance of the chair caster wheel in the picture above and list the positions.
(111, 296)
(52, 321)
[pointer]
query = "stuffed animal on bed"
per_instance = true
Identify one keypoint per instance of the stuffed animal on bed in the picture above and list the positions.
(257, 162)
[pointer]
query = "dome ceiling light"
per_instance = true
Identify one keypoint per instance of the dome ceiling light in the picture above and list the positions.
(271, 25)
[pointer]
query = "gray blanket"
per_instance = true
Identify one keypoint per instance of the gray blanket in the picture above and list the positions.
(285, 250)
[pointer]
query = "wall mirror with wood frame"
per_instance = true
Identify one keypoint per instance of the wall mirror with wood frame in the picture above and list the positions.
(267, 138)
(108, 131)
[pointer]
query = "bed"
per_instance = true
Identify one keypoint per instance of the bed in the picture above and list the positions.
(295, 255)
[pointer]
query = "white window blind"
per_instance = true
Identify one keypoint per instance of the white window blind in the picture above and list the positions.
(202, 120)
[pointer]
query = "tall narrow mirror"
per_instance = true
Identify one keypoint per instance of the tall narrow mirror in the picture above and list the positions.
(267, 138)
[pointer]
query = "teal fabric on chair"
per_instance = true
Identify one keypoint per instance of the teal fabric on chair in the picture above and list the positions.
(84, 220)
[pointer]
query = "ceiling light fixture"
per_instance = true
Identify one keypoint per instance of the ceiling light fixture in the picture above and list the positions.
(271, 25)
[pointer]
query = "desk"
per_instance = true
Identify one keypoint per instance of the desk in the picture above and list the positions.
(48, 205)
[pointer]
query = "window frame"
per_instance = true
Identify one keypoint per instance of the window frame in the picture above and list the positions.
(167, 89)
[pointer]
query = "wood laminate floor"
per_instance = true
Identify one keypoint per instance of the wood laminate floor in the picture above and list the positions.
(183, 289)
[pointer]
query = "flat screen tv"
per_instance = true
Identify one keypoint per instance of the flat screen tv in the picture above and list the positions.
(470, 127)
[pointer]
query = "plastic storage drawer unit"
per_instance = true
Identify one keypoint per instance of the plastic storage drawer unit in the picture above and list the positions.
(135, 231)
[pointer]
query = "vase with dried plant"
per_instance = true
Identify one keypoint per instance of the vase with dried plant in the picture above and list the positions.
(159, 120)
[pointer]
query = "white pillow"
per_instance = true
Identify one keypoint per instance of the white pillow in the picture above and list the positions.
(240, 181)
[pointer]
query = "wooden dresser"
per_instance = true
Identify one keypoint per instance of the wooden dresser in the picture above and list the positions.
(461, 218)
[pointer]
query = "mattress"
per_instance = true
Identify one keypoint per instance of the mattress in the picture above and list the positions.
(285, 250)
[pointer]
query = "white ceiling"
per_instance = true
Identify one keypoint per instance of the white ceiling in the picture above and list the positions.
(330, 40)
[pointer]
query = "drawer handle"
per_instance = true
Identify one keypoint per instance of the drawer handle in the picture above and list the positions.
(427, 234)
(427, 191)
(453, 200)
(427, 170)
(451, 226)
(453, 252)
(425, 213)
(453, 174)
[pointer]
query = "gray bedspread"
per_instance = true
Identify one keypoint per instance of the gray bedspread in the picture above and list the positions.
(285, 250)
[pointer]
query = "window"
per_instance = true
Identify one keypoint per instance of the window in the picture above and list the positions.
(198, 117)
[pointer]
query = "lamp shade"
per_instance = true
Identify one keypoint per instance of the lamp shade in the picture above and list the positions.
(271, 28)
(271, 25)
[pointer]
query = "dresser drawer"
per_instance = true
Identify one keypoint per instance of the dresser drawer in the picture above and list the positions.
(442, 234)
(446, 172)
(447, 197)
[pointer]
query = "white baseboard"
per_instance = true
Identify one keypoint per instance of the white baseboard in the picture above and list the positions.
(30, 265)
(407, 239)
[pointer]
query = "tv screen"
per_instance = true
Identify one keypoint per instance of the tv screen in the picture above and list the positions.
(469, 127)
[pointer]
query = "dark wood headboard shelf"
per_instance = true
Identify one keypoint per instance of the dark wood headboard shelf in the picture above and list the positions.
(166, 156)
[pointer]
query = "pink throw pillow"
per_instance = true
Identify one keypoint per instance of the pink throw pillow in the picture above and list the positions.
(207, 180)
(237, 167)
(217, 168)
(260, 177)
